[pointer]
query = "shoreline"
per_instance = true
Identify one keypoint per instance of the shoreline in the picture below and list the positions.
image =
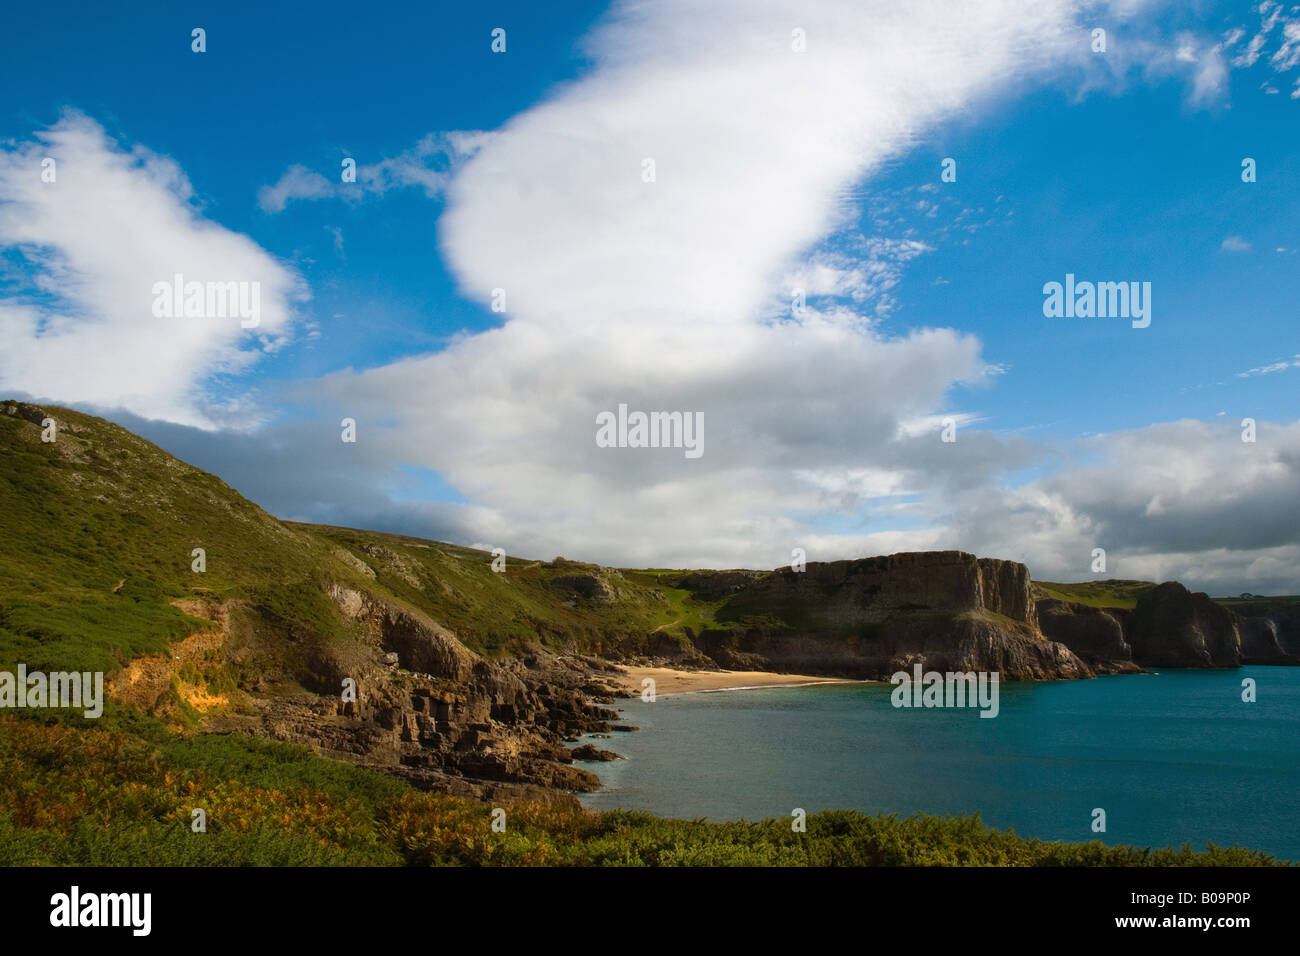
(673, 682)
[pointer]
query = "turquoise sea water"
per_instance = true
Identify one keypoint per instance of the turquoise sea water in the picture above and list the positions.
(1172, 757)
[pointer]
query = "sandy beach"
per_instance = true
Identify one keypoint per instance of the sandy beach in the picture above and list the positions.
(669, 680)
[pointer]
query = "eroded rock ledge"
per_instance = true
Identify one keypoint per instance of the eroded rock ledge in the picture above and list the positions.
(437, 714)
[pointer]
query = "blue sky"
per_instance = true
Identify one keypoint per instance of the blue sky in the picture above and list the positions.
(1115, 166)
(278, 86)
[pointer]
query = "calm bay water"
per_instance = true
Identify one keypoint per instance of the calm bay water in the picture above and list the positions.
(1172, 757)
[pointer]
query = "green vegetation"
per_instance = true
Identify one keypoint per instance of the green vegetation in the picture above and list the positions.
(686, 613)
(99, 529)
(1258, 604)
(1112, 593)
(550, 602)
(100, 794)
(101, 507)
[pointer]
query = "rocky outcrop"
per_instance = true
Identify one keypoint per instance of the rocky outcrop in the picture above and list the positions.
(1005, 589)
(1284, 613)
(1170, 627)
(1173, 627)
(590, 587)
(422, 645)
(1259, 642)
(28, 413)
(1094, 634)
(869, 618)
(592, 752)
(868, 590)
(937, 642)
(439, 715)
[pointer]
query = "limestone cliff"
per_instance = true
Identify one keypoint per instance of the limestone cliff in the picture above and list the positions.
(1172, 627)
(1260, 642)
(1283, 613)
(868, 618)
(1169, 626)
(1095, 634)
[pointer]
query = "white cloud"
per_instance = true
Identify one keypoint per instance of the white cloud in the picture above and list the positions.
(1269, 12)
(1234, 244)
(429, 164)
(337, 233)
(1183, 500)
(675, 294)
(751, 146)
(1248, 57)
(1209, 69)
(80, 325)
(1269, 369)
(297, 182)
(862, 271)
(1288, 54)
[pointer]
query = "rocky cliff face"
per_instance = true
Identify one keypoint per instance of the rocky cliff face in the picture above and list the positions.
(1259, 642)
(1169, 627)
(1095, 634)
(1284, 615)
(1005, 589)
(872, 617)
(430, 710)
(1172, 627)
(868, 590)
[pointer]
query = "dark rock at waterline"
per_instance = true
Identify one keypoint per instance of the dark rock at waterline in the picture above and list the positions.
(589, 752)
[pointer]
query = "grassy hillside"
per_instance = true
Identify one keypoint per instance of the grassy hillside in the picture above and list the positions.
(98, 529)
(557, 603)
(101, 507)
(1110, 593)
